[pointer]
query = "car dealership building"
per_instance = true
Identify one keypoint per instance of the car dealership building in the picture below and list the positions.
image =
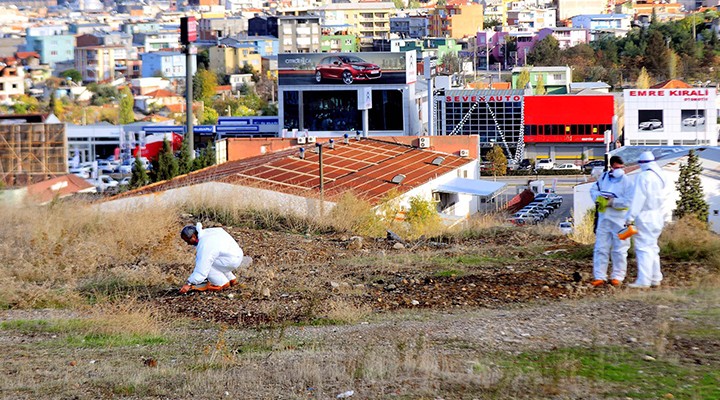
(671, 117)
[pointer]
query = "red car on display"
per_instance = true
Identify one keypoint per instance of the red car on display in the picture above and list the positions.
(346, 68)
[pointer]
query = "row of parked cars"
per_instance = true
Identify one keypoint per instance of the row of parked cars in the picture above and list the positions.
(540, 208)
(108, 166)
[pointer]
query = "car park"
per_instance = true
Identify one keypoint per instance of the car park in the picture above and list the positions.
(553, 200)
(543, 205)
(535, 210)
(545, 163)
(567, 167)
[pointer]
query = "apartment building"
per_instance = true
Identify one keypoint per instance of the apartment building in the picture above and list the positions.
(167, 64)
(299, 34)
(96, 63)
(532, 18)
(603, 24)
(263, 45)
(262, 25)
(230, 59)
(367, 21)
(12, 80)
(52, 43)
(338, 42)
(410, 27)
(456, 19)
(218, 28)
(155, 41)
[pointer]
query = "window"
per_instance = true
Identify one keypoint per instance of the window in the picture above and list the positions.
(557, 77)
(53, 53)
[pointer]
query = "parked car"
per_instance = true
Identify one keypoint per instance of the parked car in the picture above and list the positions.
(512, 165)
(554, 199)
(124, 181)
(104, 183)
(525, 163)
(567, 167)
(545, 163)
(543, 205)
(650, 124)
(566, 227)
(535, 210)
(592, 164)
(347, 69)
(694, 120)
(83, 172)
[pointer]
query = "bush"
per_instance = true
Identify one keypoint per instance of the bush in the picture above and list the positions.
(688, 239)
(352, 214)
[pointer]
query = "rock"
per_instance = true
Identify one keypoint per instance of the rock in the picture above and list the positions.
(334, 285)
(390, 287)
(545, 288)
(355, 243)
(669, 396)
(415, 302)
(398, 246)
(231, 295)
(632, 340)
(649, 358)
(266, 292)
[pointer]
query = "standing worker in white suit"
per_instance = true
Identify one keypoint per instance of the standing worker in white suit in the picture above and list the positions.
(611, 194)
(646, 212)
(218, 255)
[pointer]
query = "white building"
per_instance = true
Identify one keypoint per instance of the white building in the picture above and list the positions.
(12, 83)
(603, 24)
(672, 117)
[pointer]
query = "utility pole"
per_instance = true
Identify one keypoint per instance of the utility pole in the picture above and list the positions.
(322, 178)
(188, 35)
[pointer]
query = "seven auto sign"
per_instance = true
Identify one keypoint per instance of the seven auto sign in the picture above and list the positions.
(465, 99)
(687, 94)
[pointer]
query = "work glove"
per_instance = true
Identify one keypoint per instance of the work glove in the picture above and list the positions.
(186, 288)
(602, 203)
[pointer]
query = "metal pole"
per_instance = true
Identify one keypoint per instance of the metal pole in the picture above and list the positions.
(366, 122)
(188, 100)
(487, 53)
(322, 178)
(430, 102)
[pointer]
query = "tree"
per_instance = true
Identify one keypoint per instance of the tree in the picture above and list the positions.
(73, 74)
(643, 80)
(498, 161)
(450, 63)
(673, 61)
(205, 159)
(185, 162)
(692, 199)
(203, 59)
(204, 85)
(540, 87)
(167, 163)
(210, 116)
(57, 108)
(139, 177)
(127, 102)
(657, 54)
(545, 52)
(103, 94)
(523, 79)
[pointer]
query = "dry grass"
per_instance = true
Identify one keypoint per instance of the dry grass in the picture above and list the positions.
(690, 240)
(583, 231)
(53, 255)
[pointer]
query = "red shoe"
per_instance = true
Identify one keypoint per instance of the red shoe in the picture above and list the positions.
(233, 282)
(615, 282)
(597, 282)
(209, 287)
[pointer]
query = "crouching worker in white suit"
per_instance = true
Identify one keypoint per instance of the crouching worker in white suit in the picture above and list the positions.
(218, 255)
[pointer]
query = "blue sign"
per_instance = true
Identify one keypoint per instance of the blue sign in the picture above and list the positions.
(204, 129)
(237, 129)
(272, 120)
(163, 129)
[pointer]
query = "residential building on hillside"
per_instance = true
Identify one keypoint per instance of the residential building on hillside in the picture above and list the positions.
(532, 18)
(299, 34)
(643, 11)
(141, 27)
(52, 49)
(166, 64)
(97, 63)
(155, 41)
(601, 25)
(555, 79)
(263, 45)
(491, 48)
(567, 9)
(12, 83)
(441, 46)
(339, 42)
(270, 66)
(566, 37)
(231, 59)
(366, 20)
(456, 19)
(416, 26)
(11, 45)
(219, 28)
(262, 25)
(84, 29)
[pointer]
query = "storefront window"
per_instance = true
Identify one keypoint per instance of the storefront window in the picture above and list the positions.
(291, 101)
(331, 111)
(386, 113)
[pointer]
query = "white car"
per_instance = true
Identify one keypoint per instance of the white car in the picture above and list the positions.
(567, 167)
(566, 228)
(650, 124)
(694, 120)
(83, 172)
(545, 163)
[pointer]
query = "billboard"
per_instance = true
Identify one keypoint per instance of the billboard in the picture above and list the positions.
(650, 120)
(376, 68)
(692, 120)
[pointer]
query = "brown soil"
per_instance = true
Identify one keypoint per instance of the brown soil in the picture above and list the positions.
(298, 278)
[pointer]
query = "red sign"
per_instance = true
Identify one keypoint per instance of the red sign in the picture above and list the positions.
(564, 138)
(188, 30)
(668, 92)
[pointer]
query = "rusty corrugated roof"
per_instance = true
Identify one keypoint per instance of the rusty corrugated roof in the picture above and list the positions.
(363, 167)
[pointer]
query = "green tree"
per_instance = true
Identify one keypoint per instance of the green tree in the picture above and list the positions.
(540, 87)
(204, 85)
(185, 162)
(523, 78)
(657, 54)
(546, 52)
(127, 102)
(103, 94)
(450, 63)
(643, 80)
(203, 59)
(673, 64)
(498, 161)
(205, 159)
(57, 108)
(73, 74)
(167, 163)
(139, 177)
(210, 116)
(692, 199)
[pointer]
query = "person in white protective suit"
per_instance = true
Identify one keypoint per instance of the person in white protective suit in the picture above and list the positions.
(611, 194)
(218, 255)
(646, 212)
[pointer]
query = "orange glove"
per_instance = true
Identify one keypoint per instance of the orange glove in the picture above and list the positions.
(186, 288)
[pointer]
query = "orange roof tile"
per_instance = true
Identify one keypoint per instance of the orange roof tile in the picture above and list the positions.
(671, 84)
(25, 54)
(223, 88)
(175, 108)
(365, 168)
(61, 186)
(162, 93)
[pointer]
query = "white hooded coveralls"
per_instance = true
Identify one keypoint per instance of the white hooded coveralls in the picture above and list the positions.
(218, 255)
(646, 209)
(609, 223)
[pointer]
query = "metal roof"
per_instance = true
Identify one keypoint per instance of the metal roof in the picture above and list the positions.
(471, 186)
(363, 167)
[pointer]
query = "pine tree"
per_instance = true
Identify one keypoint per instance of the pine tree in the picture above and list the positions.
(692, 199)
(540, 87)
(167, 163)
(498, 161)
(523, 79)
(185, 162)
(206, 158)
(643, 80)
(139, 176)
(127, 102)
